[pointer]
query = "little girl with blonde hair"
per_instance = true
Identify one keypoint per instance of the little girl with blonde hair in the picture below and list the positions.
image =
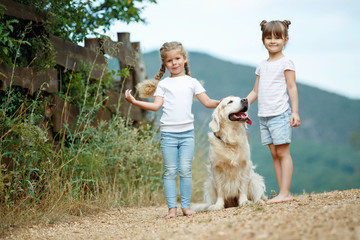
(175, 95)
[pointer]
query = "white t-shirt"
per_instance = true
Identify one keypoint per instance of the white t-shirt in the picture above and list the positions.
(273, 98)
(178, 95)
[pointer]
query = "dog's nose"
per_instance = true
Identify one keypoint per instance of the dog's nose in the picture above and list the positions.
(244, 100)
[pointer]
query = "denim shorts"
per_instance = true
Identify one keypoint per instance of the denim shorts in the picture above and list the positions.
(276, 129)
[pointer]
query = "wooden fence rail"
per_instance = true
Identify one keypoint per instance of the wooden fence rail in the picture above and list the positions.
(70, 56)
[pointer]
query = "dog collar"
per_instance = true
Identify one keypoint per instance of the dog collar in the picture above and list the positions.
(217, 136)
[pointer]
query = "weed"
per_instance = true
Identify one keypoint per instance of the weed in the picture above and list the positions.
(89, 169)
(272, 194)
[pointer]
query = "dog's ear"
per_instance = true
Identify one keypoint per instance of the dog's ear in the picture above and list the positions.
(215, 122)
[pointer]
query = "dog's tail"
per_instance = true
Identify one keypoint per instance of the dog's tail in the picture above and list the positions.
(257, 188)
(202, 207)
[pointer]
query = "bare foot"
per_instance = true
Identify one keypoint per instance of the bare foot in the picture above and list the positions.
(171, 213)
(280, 198)
(187, 212)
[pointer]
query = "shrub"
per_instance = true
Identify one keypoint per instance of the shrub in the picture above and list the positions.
(112, 164)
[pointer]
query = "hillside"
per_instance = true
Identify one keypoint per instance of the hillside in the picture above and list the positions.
(326, 117)
(323, 157)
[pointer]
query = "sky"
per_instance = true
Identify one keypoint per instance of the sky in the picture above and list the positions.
(324, 35)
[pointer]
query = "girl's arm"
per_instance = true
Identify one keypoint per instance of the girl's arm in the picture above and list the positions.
(206, 101)
(253, 95)
(293, 93)
(152, 106)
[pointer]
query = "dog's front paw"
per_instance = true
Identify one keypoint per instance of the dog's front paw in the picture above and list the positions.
(244, 203)
(215, 207)
(260, 202)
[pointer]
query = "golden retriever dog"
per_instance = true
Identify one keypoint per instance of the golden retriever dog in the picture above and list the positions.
(231, 179)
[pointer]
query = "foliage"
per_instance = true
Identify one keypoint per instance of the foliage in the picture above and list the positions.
(74, 19)
(72, 86)
(113, 157)
(30, 45)
(7, 43)
(81, 89)
(23, 145)
(112, 164)
(109, 164)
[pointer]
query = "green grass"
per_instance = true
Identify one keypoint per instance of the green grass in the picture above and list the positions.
(111, 165)
(81, 171)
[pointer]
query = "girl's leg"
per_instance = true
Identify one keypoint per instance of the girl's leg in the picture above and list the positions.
(186, 154)
(170, 153)
(277, 164)
(286, 168)
(286, 165)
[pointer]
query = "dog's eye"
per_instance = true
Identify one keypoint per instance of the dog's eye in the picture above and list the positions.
(231, 101)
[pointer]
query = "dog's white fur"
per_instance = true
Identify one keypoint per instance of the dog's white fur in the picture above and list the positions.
(232, 181)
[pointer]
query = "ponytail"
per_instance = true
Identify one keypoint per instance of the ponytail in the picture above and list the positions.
(147, 88)
(161, 72)
(187, 69)
(262, 24)
(286, 23)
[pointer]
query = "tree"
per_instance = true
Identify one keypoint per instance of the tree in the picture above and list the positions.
(75, 19)
(71, 20)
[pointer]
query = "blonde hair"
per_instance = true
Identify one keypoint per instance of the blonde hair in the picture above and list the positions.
(147, 88)
(276, 28)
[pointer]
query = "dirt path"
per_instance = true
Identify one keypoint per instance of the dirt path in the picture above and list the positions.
(333, 215)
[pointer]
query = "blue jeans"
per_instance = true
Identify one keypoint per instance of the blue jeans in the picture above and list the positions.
(176, 146)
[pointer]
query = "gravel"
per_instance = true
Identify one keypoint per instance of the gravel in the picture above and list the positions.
(330, 215)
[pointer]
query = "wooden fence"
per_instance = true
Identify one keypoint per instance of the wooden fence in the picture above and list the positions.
(70, 56)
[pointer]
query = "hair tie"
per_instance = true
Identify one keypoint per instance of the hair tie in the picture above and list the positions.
(262, 24)
(286, 23)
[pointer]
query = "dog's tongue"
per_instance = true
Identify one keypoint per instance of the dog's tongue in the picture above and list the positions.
(248, 121)
(243, 115)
